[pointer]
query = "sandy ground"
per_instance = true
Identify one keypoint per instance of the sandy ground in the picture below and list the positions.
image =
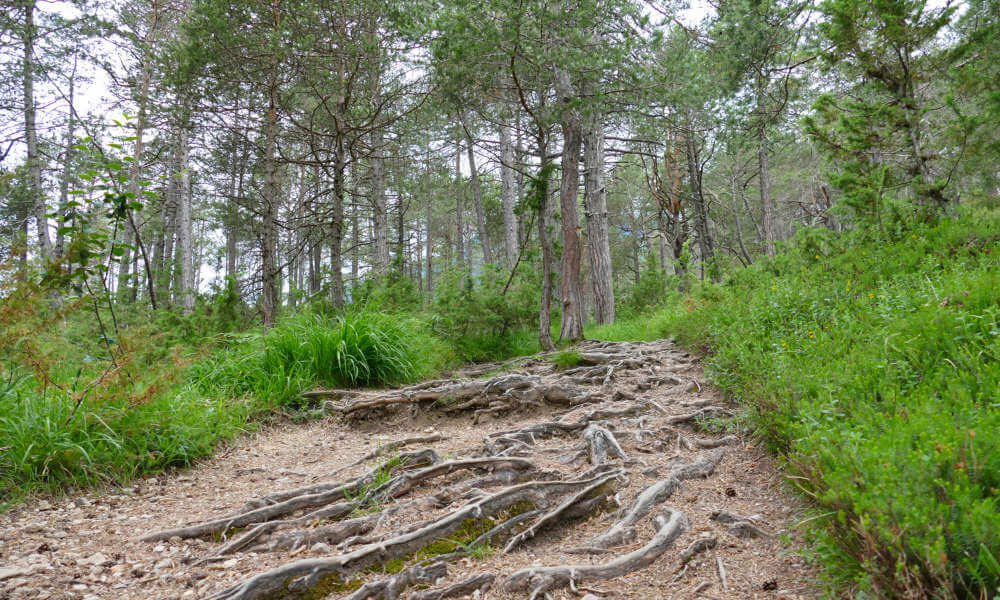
(86, 547)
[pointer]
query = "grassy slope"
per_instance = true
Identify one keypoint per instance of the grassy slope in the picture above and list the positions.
(171, 410)
(872, 366)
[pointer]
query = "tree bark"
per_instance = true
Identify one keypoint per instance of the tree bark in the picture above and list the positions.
(508, 194)
(67, 173)
(269, 291)
(596, 207)
(477, 194)
(337, 221)
(380, 218)
(766, 202)
(186, 289)
(459, 204)
(571, 329)
(706, 246)
(28, 37)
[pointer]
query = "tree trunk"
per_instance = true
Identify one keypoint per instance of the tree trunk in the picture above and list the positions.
(137, 150)
(596, 206)
(571, 329)
(67, 173)
(705, 245)
(337, 221)
(477, 195)
(269, 291)
(508, 194)
(31, 134)
(380, 218)
(186, 289)
(232, 214)
(430, 252)
(548, 262)
(459, 204)
(766, 202)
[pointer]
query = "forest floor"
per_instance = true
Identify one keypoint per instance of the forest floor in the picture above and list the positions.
(621, 464)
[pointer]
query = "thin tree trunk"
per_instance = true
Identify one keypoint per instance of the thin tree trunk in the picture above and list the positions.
(269, 291)
(508, 194)
(131, 235)
(430, 251)
(766, 202)
(337, 223)
(735, 192)
(31, 133)
(459, 204)
(596, 207)
(186, 289)
(571, 328)
(705, 245)
(477, 194)
(67, 173)
(379, 215)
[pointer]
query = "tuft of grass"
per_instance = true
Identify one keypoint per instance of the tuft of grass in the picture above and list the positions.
(566, 359)
(873, 366)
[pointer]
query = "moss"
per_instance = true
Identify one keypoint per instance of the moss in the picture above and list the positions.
(333, 584)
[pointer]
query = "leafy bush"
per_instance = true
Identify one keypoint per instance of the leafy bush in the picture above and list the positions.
(874, 367)
(480, 320)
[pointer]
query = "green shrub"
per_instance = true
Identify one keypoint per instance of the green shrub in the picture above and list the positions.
(873, 365)
(482, 322)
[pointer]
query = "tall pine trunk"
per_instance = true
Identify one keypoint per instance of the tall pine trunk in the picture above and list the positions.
(571, 328)
(596, 207)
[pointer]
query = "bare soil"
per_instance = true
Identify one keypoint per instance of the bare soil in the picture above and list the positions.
(89, 546)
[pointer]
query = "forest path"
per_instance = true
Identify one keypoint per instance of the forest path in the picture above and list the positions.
(616, 464)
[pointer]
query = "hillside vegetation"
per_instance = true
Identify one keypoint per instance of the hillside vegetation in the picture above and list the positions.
(871, 365)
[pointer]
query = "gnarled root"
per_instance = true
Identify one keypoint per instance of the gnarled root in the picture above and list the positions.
(623, 531)
(480, 582)
(299, 578)
(539, 580)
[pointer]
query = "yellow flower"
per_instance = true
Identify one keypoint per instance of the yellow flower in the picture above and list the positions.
(871, 295)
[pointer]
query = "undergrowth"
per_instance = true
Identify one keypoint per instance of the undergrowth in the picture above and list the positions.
(873, 365)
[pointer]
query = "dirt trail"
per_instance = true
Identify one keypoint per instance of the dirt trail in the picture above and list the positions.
(608, 480)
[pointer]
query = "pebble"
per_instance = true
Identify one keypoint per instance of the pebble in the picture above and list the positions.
(11, 572)
(229, 564)
(321, 548)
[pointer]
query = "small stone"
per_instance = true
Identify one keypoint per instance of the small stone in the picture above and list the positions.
(166, 563)
(11, 572)
(43, 505)
(33, 528)
(229, 564)
(176, 539)
(320, 548)
(159, 548)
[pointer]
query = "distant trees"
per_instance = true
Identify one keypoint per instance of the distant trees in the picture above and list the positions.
(340, 151)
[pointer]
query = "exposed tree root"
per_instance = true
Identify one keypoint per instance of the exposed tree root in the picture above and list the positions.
(391, 587)
(597, 487)
(480, 582)
(394, 488)
(539, 580)
(302, 577)
(389, 530)
(390, 447)
(601, 443)
(623, 531)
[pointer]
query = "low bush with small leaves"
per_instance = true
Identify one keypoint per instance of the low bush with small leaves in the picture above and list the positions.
(872, 364)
